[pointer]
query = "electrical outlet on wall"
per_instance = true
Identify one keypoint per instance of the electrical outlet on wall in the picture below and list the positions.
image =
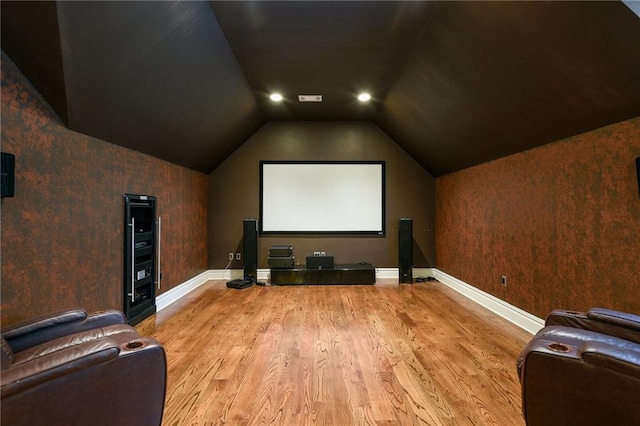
(230, 256)
(237, 256)
(504, 280)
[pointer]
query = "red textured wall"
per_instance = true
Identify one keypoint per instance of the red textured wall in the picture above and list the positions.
(562, 222)
(62, 234)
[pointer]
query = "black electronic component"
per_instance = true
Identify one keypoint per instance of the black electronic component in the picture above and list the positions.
(7, 170)
(320, 262)
(141, 257)
(405, 250)
(250, 247)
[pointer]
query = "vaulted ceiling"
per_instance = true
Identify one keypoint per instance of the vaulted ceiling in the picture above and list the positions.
(453, 83)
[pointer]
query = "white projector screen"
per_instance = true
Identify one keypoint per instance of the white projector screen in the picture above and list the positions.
(322, 197)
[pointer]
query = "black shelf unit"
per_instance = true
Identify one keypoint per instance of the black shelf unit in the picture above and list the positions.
(141, 257)
(340, 274)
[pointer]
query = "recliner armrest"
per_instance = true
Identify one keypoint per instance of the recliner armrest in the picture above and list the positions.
(544, 345)
(56, 364)
(622, 360)
(566, 318)
(31, 333)
(71, 360)
(46, 321)
(601, 320)
(120, 332)
(609, 316)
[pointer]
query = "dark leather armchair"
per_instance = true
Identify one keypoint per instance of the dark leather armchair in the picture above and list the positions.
(582, 368)
(71, 368)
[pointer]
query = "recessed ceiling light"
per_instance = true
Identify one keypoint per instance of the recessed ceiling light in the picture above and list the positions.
(364, 97)
(275, 97)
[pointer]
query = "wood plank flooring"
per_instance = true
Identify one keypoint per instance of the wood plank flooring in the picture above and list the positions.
(384, 354)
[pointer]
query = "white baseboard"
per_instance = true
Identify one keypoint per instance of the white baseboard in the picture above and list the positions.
(168, 297)
(226, 274)
(423, 272)
(232, 274)
(387, 273)
(264, 274)
(515, 315)
(393, 272)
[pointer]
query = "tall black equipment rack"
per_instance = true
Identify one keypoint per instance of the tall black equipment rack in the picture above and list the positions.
(141, 257)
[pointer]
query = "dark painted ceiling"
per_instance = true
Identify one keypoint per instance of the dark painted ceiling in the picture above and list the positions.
(454, 83)
(335, 49)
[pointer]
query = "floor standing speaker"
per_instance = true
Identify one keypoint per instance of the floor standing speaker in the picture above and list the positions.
(250, 248)
(405, 250)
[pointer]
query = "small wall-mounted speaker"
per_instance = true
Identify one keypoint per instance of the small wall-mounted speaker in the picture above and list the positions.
(250, 247)
(638, 172)
(405, 250)
(7, 170)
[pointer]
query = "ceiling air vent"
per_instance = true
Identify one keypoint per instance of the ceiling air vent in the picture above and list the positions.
(310, 98)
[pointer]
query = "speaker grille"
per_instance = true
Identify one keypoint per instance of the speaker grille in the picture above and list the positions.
(405, 250)
(638, 172)
(250, 247)
(7, 170)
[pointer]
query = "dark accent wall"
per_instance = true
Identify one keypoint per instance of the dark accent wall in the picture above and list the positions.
(234, 193)
(31, 37)
(561, 221)
(62, 234)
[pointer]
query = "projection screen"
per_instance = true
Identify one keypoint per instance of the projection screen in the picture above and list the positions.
(322, 197)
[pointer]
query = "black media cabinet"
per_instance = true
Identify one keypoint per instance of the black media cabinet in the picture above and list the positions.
(340, 274)
(141, 257)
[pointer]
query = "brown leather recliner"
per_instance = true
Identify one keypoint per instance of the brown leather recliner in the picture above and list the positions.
(70, 368)
(582, 368)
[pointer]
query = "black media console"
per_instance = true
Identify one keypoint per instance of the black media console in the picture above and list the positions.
(359, 273)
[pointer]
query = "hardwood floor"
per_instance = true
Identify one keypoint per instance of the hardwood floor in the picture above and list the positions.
(384, 354)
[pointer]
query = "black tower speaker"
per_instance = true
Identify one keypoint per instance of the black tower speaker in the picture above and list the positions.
(7, 170)
(250, 248)
(405, 250)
